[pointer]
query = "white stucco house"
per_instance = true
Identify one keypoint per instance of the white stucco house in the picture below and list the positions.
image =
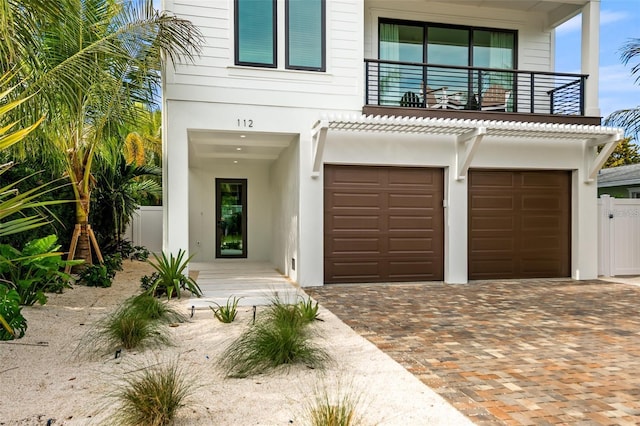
(372, 140)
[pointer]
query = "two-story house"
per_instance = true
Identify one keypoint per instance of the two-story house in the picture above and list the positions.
(377, 140)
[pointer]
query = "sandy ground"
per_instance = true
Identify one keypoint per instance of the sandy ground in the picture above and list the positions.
(42, 378)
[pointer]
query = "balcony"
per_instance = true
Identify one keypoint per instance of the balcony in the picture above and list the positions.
(426, 90)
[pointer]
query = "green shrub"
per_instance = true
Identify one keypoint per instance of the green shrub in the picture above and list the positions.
(13, 323)
(146, 282)
(101, 275)
(37, 269)
(152, 396)
(279, 337)
(127, 250)
(308, 310)
(226, 313)
(171, 278)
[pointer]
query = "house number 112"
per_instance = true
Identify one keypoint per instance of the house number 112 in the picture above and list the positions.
(247, 122)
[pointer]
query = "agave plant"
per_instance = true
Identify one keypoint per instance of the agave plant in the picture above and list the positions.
(171, 278)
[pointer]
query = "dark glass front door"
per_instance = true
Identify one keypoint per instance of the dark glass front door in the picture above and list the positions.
(231, 218)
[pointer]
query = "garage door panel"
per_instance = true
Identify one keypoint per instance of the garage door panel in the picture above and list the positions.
(492, 202)
(355, 177)
(493, 180)
(355, 223)
(492, 223)
(415, 201)
(412, 246)
(492, 244)
(409, 223)
(356, 245)
(397, 237)
(540, 223)
(350, 200)
(541, 202)
(409, 178)
(532, 239)
(544, 181)
(417, 270)
(492, 268)
(353, 271)
(541, 268)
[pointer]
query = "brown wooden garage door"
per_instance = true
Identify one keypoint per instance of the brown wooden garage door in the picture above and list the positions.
(383, 224)
(519, 224)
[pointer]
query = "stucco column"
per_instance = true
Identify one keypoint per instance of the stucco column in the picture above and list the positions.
(590, 55)
(455, 245)
(584, 247)
(175, 183)
(310, 224)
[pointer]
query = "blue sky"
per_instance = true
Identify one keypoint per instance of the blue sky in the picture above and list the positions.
(619, 21)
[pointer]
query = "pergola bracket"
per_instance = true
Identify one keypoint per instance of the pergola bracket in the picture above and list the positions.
(466, 146)
(318, 138)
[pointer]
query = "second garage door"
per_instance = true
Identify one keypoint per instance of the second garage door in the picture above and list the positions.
(519, 224)
(383, 224)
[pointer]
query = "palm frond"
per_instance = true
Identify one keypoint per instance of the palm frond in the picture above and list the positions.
(629, 119)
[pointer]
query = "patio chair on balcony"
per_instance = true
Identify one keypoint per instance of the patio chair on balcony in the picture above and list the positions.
(495, 98)
(411, 100)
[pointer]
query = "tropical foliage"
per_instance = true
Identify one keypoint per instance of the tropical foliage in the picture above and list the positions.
(629, 118)
(118, 191)
(34, 270)
(91, 62)
(171, 277)
(13, 323)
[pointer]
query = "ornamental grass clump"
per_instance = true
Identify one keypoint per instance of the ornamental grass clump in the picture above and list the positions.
(341, 408)
(140, 322)
(152, 396)
(280, 337)
(153, 309)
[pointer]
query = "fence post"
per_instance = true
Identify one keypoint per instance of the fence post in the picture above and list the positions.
(606, 234)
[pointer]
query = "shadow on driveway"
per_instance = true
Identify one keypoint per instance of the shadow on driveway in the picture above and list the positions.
(530, 352)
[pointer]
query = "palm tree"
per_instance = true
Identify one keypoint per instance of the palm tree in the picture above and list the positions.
(628, 118)
(119, 186)
(91, 61)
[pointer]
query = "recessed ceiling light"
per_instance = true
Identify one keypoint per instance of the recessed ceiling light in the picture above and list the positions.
(235, 161)
(238, 149)
(243, 136)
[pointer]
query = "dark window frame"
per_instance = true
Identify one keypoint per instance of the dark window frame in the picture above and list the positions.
(323, 24)
(245, 208)
(470, 28)
(274, 64)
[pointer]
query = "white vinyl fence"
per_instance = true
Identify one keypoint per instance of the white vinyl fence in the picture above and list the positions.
(619, 236)
(145, 228)
(618, 231)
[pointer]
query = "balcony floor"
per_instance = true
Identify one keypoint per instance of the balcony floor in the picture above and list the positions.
(480, 115)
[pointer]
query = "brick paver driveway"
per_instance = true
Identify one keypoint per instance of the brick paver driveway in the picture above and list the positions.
(531, 352)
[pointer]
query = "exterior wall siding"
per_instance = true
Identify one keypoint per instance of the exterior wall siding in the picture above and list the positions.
(215, 78)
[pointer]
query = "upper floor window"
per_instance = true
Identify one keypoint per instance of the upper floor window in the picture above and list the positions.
(305, 34)
(255, 33)
(467, 66)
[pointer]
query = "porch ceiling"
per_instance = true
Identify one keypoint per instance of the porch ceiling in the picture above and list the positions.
(558, 11)
(211, 147)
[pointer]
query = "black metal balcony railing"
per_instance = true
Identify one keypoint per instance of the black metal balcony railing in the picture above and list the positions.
(418, 85)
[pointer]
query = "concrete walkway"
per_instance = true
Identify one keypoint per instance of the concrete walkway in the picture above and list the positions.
(256, 283)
